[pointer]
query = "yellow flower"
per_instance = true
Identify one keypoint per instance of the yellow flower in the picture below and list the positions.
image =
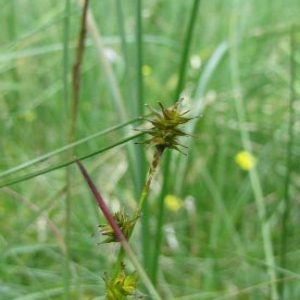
(146, 70)
(245, 160)
(29, 116)
(173, 203)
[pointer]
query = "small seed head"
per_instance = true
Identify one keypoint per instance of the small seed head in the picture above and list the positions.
(164, 129)
(124, 222)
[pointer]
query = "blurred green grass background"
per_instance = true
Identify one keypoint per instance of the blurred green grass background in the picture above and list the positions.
(212, 245)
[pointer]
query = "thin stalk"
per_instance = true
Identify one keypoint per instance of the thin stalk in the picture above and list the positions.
(155, 162)
(186, 49)
(288, 163)
(119, 234)
(67, 272)
(66, 54)
(181, 81)
(76, 74)
(12, 21)
(160, 219)
(139, 158)
(76, 86)
(121, 24)
(254, 178)
(139, 60)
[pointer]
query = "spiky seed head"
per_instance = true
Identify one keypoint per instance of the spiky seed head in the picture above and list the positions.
(125, 223)
(164, 129)
(120, 286)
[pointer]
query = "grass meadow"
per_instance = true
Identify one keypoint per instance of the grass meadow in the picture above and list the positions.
(222, 221)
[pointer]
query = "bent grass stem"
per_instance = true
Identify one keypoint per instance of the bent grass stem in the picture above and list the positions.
(119, 234)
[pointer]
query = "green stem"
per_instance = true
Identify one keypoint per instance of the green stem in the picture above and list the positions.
(139, 63)
(12, 21)
(67, 273)
(186, 50)
(152, 170)
(76, 74)
(139, 163)
(143, 205)
(121, 26)
(155, 162)
(76, 83)
(289, 164)
(160, 219)
(246, 143)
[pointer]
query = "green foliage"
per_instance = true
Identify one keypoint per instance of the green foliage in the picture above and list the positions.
(212, 247)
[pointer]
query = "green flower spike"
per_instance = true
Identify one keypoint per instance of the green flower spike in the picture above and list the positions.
(164, 131)
(120, 286)
(125, 224)
(164, 134)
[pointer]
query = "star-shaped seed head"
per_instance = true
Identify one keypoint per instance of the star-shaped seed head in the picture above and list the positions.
(164, 130)
(124, 222)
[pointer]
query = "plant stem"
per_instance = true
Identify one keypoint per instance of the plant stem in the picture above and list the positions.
(118, 232)
(144, 204)
(67, 273)
(160, 219)
(140, 159)
(76, 76)
(289, 164)
(154, 164)
(253, 174)
(121, 26)
(186, 49)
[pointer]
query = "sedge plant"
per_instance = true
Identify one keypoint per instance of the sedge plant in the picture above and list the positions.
(164, 134)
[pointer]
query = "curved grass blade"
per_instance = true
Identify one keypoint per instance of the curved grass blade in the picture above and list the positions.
(199, 104)
(64, 148)
(118, 232)
(67, 163)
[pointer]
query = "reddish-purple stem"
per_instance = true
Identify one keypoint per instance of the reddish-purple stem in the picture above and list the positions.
(109, 217)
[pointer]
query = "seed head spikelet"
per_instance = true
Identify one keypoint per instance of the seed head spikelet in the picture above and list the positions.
(164, 134)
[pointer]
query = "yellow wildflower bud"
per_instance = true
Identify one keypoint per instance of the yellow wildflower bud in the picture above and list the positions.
(29, 116)
(146, 70)
(173, 203)
(245, 160)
